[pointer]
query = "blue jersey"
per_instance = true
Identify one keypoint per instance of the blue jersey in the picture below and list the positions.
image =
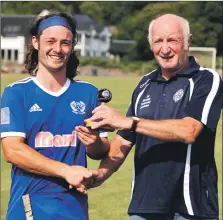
(47, 121)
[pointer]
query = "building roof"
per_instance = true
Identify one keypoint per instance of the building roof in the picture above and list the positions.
(16, 25)
(99, 28)
(121, 46)
(84, 22)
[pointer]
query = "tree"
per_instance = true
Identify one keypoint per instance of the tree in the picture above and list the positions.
(32, 7)
(132, 18)
(205, 25)
(93, 10)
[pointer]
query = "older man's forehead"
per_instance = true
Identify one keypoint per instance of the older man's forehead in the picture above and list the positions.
(170, 20)
(168, 27)
(169, 17)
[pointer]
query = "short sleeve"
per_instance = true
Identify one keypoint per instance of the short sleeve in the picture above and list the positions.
(206, 100)
(12, 114)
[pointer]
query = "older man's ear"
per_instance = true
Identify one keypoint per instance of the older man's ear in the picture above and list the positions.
(190, 41)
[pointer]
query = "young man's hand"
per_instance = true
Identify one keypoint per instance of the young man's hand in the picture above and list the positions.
(87, 136)
(98, 177)
(78, 177)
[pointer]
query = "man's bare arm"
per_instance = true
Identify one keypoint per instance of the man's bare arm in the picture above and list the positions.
(119, 149)
(98, 150)
(23, 156)
(185, 130)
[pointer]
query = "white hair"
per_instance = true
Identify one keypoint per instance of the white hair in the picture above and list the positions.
(186, 31)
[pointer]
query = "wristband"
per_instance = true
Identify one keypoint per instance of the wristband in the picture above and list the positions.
(135, 121)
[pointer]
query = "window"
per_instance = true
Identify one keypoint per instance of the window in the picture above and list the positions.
(11, 30)
(9, 54)
(103, 54)
(79, 37)
(16, 54)
(87, 53)
(103, 38)
(2, 54)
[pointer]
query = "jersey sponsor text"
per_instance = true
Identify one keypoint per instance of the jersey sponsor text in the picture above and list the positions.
(46, 139)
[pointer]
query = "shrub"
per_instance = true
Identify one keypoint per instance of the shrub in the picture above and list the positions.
(126, 66)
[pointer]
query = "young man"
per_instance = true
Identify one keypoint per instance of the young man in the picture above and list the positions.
(42, 127)
(172, 120)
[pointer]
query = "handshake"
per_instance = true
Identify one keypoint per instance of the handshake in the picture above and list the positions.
(105, 118)
(82, 178)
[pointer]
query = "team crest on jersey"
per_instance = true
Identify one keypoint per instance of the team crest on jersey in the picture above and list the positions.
(178, 95)
(78, 107)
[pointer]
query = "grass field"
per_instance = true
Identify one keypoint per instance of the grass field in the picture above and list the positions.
(111, 200)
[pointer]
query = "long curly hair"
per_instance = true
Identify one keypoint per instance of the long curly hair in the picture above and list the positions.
(31, 60)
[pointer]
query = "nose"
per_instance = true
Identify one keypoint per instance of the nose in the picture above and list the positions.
(57, 47)
(165, 49)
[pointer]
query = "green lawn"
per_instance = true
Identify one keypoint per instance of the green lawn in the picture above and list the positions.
(111, 200)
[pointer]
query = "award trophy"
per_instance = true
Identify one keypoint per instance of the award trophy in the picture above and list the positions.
(104, 96)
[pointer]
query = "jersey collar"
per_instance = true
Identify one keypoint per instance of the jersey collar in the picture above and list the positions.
(56, 94)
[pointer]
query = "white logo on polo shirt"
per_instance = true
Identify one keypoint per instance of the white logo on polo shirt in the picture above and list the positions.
(144, 84)
(178, 95)
(145, 102)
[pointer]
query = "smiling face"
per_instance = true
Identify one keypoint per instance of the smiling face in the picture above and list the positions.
(168, 43)
(54, 48)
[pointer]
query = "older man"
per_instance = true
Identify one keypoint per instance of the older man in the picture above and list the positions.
(172, 120)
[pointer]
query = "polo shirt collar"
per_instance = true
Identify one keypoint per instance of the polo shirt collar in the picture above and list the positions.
(188, 71)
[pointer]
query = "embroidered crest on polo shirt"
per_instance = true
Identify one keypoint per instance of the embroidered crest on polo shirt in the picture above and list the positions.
(78, 107)
(145, 102)
(178, 95)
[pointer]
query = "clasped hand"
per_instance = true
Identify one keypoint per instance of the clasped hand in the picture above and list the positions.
(87, 136)
(104, 115)
(82, 178)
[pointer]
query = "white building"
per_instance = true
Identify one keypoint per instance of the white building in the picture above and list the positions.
(93, 39)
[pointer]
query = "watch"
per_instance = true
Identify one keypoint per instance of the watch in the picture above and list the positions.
(135, 121)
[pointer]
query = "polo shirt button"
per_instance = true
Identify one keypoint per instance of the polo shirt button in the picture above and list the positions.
(164, 94)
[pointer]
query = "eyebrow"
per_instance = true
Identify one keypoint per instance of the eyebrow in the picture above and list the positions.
(53, 38)
(49, 38)
(174, 35)
(170, 36)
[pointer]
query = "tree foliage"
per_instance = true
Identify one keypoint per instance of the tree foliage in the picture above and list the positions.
(33, 7)
(93, 10)
(132, 18)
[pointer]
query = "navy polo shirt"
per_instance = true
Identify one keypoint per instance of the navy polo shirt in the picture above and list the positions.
(174, 176)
